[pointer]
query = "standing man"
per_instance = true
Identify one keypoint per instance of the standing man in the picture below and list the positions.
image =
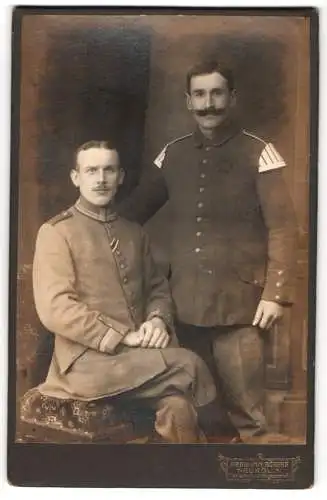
(232, 243)
(97, 289)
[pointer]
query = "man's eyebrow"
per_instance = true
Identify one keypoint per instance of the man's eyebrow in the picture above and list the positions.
(87, 167)
(202, 88)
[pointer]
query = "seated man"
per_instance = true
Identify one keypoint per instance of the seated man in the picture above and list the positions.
(98, 290)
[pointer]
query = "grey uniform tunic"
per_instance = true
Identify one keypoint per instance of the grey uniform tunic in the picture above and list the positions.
(94, 280)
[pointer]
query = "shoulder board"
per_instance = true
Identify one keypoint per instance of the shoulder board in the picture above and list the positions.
(161, 156)
(66, 214)
(245, 132)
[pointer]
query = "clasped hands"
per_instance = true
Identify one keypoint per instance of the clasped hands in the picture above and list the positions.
(151, 334)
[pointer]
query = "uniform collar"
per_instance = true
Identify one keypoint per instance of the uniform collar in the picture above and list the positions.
(101, 214)
(228, 129)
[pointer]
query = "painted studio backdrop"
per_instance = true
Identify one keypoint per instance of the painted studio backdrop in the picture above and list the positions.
(93, 77)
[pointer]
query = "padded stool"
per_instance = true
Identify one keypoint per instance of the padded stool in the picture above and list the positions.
(54, 420)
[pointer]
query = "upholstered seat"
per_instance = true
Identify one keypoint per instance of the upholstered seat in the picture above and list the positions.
(48, 419)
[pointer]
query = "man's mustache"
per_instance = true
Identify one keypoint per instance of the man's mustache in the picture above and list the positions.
(210, 111)
(101, 188)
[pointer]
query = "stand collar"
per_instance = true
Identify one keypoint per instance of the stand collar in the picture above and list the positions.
(101, 214)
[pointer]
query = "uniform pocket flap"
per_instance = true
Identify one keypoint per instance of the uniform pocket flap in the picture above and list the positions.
(254, 276)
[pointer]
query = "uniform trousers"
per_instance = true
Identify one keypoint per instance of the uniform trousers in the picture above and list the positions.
(234, 355)
(182, 395)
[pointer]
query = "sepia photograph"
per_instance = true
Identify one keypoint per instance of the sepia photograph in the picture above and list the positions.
(163, 246)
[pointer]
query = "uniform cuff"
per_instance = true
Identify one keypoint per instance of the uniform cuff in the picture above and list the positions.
(278, 287)
(110, 341)
(165, 317)
(282, 297)
(112, 337)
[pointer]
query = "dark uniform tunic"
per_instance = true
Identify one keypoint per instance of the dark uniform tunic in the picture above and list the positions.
(233, 231)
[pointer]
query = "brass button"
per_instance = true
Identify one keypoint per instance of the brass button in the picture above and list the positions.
(198, 219)
(125, 280)
(280, 273)
(278, 284)
(277, 297)
(204, 161)
(201, 189)
(197, 250)
(202, 175)
(199, 233)
(200, 205)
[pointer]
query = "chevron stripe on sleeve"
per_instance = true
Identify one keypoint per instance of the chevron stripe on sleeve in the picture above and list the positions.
(270, 159)
(160, 158)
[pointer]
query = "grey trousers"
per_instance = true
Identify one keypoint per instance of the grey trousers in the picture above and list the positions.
(234, 354)
(180, 394)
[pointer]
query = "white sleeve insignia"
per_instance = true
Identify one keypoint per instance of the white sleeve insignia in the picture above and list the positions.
(160, 158)
(270, 159)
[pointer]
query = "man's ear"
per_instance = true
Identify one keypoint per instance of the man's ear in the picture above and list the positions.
(74, 175)
(233, 98)
(188, 101)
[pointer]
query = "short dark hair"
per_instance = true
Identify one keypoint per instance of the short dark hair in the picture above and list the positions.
(95, 144)
(208, 67)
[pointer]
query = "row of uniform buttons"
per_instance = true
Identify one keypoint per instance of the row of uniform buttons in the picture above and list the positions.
(114, 244)
(128, 292)
(279, 284)
(200, 206)
(200, 203)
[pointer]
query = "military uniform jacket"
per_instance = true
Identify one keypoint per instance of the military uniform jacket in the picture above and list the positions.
(232, 224)
(94, 280)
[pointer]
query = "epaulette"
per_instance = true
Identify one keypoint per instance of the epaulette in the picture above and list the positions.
(66, 214)
(269, 159)
(161, 156)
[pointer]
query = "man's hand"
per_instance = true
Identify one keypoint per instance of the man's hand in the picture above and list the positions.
(154, 334)
(267, 314)
(133, 339)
